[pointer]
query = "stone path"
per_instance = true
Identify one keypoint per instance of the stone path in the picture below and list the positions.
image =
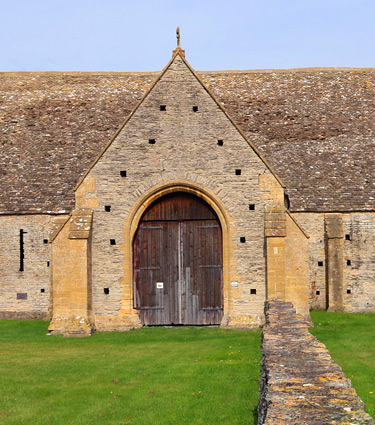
(300, 383)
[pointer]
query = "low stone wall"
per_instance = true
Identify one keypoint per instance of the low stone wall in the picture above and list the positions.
(300, 383)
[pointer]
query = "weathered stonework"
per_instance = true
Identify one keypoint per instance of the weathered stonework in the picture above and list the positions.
(33, 283)
(61, 129)
(357, 238)
(185, 157)
(300, 383)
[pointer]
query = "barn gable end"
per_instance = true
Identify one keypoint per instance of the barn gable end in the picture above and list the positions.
(179, 139)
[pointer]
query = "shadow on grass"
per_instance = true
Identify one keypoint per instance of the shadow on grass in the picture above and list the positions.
(255, 416)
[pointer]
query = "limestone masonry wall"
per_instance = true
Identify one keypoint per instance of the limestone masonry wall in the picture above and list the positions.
(184, 151)
(25, 294)
(357, 262)
(300, 383)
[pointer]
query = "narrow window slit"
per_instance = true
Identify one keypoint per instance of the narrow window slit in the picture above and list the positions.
(22, 251)
(348, 262)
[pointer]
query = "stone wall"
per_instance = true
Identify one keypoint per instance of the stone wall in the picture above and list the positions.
(357, 260)
(300, 383)
(184, 153)
(25, 294)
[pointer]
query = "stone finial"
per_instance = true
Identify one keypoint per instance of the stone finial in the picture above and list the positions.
(178, 48)
(178, 37)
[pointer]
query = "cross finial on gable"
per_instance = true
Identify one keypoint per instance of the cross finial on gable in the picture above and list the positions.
(178, 36)
(178, 49)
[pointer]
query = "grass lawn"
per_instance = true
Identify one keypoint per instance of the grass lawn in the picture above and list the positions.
(147, 376)
(350, 338)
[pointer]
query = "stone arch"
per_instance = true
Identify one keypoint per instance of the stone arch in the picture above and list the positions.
(131, 225)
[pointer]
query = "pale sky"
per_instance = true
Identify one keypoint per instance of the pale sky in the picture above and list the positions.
(139, 35)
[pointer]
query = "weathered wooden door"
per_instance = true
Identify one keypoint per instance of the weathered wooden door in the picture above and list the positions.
(177, 253)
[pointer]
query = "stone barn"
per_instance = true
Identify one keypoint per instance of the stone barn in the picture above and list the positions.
(184, 197)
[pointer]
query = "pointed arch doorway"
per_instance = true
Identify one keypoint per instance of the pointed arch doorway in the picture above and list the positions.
(178, 263)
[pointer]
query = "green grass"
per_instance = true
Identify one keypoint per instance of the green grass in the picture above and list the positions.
(147, 376)
(350, 338)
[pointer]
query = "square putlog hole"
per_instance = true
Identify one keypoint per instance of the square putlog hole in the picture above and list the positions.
(106, 291)
(238, 172)
(195, 108)
(251, 207)
(320, 263)
(152, 141)
(220, 142)
(242, 239)
(163, 107)
(107, 208)
(112, 241)
(253, 291)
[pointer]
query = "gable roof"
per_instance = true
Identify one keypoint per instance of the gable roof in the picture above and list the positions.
(315, 127)
(176, 53)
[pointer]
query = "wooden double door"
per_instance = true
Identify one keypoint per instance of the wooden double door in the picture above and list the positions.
(177, 252)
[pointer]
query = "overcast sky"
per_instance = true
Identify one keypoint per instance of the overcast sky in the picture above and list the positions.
(139, 35)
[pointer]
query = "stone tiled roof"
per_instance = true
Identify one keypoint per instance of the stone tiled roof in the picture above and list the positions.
(315, 127)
